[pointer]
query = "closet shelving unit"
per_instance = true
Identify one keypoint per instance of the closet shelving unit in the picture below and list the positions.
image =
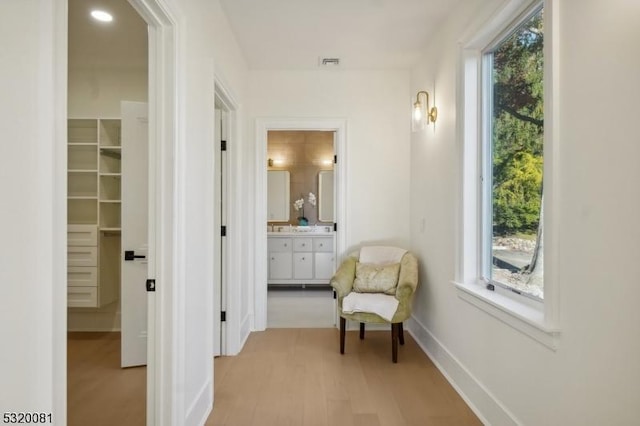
(94, 185)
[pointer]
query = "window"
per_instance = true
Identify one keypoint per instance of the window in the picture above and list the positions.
(508, 108)
(512, 158)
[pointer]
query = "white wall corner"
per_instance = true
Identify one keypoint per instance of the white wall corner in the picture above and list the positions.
(485, 405)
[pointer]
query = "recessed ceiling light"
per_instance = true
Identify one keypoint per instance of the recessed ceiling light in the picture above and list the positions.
(101, 15)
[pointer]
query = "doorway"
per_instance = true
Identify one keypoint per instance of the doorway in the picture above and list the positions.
(107, 63)
(300, 219)
(298, 258)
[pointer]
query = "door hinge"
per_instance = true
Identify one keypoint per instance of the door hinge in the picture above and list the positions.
(335, 159)
(151, 285)
(223, 145)
(335, 227)
(223, 230)
(334, 294)
(223, 316)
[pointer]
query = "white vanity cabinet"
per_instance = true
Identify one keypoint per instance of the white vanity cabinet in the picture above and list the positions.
(300, 259)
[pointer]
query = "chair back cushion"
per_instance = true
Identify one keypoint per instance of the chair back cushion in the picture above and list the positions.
(372, 278)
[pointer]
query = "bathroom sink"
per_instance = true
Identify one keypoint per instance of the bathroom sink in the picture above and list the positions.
(322, 229)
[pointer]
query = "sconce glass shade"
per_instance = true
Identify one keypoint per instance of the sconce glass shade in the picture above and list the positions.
(419, 121)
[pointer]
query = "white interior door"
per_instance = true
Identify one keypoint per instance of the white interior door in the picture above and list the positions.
(135, 214)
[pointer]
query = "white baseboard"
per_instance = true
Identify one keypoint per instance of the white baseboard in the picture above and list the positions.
(80, 320)
(486, 406)
(199, 411)
(245, 330)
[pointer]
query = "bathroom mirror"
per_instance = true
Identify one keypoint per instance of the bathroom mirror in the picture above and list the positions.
(278, 196)
(325, 196)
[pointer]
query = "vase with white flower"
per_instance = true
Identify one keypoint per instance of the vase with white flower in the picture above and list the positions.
(298, 205)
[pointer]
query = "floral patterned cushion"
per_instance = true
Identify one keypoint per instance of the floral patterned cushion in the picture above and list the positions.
(372, 278)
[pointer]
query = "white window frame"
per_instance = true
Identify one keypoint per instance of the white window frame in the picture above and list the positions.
(537, 319)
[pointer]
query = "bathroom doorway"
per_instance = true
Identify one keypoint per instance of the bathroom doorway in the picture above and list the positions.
(300, 236)
(300, 232)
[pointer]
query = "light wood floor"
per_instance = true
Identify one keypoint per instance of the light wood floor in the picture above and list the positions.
(99, 392)
(297, 377)
(282, 377)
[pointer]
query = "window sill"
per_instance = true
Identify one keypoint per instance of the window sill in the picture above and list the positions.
(523, 317)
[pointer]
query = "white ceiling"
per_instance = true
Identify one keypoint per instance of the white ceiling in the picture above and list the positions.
(364, 34)
(277, 34)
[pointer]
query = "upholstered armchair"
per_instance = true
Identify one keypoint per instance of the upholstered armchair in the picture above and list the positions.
(376, 279)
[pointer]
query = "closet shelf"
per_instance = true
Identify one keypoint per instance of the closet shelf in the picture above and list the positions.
(94, 208)
(111, 151)
(82, 170)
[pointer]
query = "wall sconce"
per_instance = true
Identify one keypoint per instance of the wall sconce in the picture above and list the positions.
(422, 114)
(278, 162)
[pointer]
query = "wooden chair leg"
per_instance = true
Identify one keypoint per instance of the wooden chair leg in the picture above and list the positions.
(401, 334)
(361, 331)
(343, 324)
(394, 342)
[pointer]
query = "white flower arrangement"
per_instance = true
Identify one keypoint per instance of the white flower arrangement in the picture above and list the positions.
(298, 204)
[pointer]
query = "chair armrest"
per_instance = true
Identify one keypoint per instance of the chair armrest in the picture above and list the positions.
(408, 278)
(342, 280)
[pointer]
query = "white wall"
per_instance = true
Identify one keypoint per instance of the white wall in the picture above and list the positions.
(203, 51)
(32, 169)
(376, 106)
(98, 92)
(593, 378)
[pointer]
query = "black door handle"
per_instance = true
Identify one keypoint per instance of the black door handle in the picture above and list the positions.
(131, 255)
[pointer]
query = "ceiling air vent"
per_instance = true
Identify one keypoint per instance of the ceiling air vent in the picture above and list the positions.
(329, 62)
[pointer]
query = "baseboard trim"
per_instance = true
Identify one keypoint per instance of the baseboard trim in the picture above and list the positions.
(245, 330)
(482, 402)
(98, 320)
(199, 411)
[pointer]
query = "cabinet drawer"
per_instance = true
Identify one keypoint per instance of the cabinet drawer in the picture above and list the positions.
(82, 297)
(323, 244)
(82, 235)
(82, 256)
(82, 276)
(279, 244)
(302, 244)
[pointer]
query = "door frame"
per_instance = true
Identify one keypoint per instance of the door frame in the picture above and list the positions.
(164, 305)
(229, 295)
(263, 126)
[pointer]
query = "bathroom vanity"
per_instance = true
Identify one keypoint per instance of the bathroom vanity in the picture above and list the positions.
(301, 255)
